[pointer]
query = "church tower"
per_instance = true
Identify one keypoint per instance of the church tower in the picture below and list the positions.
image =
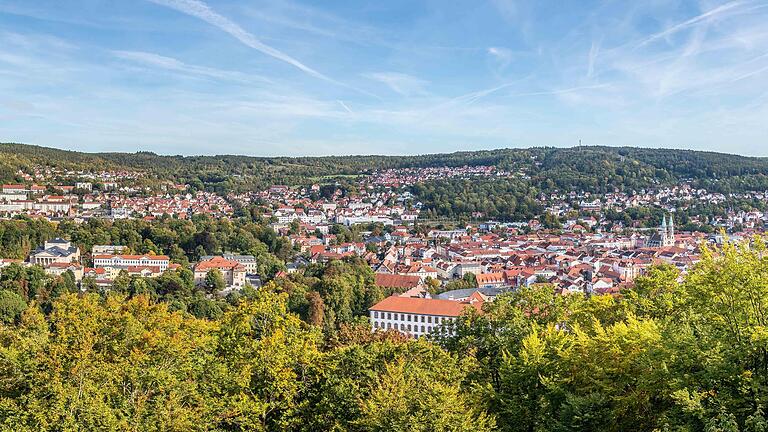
(664, 235)
(671, 237)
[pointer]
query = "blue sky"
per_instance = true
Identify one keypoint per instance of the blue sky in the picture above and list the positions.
(382, 77)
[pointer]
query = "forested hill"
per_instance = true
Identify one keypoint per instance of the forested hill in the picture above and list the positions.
(588, 168)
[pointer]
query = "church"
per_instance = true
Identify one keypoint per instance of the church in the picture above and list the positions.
(665, 235)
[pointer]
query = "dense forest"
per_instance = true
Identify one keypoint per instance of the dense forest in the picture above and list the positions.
(298, 355)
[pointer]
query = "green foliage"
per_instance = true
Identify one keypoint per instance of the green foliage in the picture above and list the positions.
(664, 356)
(113, 364)
(11, 306)
(184, 240)
(388, 384)
(332, 294)
(214, 281)
(534, 171)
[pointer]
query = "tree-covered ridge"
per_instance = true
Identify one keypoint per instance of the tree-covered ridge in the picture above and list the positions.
(668, 354)
(591, 168)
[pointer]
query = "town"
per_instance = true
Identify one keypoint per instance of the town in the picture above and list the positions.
(432, 270)
(384, 216)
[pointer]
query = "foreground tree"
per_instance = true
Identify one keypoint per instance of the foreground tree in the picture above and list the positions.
(214, 281)
(11, 306)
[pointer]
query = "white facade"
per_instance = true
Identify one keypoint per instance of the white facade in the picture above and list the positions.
(413, 325)
(120, 261)
(107, 249)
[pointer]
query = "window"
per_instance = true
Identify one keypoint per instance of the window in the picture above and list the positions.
(429, 319)
(422, 329)
(422, 318)
(375, 314)
(376, 324)
(402, 327)
(389, 315)
(389, 326)
(409, 327)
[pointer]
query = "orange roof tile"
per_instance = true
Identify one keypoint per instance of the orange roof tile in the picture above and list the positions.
(421, 306)
(396, 281)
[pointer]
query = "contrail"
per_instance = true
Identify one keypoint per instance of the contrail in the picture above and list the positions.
(593, 52)
(344, 106)
(695, 20)
(472, 97)
(750, 74)
(563, 91)
(198, 9)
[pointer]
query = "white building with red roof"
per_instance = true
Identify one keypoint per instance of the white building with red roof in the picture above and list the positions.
(232, 271)
(418, 317)
(126, 261)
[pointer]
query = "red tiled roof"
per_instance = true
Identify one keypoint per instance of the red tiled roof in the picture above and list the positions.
(397, 281)
(139, 269)
(219, 263)
(96, 270)
(486, 278)
(421, 306)
(316, 249)
(134, 257)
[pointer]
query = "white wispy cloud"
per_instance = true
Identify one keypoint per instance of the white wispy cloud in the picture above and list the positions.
(707, 16)
(559, 91)
(472, 97)
(201, 10)
(401, 83)
(605, 78)
(752, 72)
(502, 56)
(343, 105)
(172, 64)
(594, 50)
(36, 41)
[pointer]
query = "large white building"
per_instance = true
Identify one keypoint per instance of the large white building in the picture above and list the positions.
(107, 249)
(55, 251)
(416, 316)
(126, 261)
(15, 189)
(232, 271)
(248, 261)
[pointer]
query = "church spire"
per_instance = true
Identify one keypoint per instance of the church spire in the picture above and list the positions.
(671, 227)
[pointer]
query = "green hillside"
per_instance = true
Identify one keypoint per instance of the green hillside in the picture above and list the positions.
(596, 169)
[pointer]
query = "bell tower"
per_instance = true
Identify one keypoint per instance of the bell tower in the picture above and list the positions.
(671, 230)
